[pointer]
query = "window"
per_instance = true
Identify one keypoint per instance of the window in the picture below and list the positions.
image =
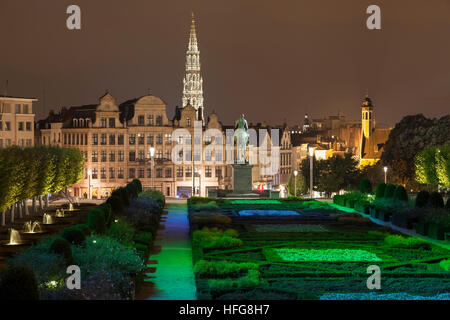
(150, 120)
(112, 156)
(141, 155)
(219, 155)
(132, 173)
(6, 108)
(103, 155)
(218, 172)
(159, 120)
(158, 154)
(150, 140)
(94, 173)
(20, 126)
(20, 142)
(188, 156)
(168, 172)
(120, 156)
(208, 172)
(111, 173)
(103, 122)
(17, 108)
(168, 138)
(132, 156)
(120, 173)
(103, 139)
(141, 139)
(94, 156)
(188, 172)
(159, 139)
(112, 139)
(168, 155)
(112, 122)
(141, 120)
(1, 125)
(94, 139)
(7, 142)
(132, 139)
(141, 173)
(28, 142)
(208, 155)
(120, 139)
(179, 172)
(103, 173)
(1, 143)
(29, 126)
(159, 172)
(149, 172)
(188, 140)
(207, 139)
(7, 126)
(188, 122)
(197, 155)
(25, 108)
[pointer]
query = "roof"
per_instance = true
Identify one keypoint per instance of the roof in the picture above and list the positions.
(372, 148)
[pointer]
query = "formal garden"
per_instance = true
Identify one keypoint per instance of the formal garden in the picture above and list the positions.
(110, 242)
(298, 248)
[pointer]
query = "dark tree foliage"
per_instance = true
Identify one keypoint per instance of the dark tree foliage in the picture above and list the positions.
(97, 221)
(365, 186)
(333, 174)
(75, 235)
(400, 194)
(62, 247)
(410, 136)
(389, 191)
(435, 200)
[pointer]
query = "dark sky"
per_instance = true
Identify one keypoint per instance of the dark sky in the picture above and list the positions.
(272, 60)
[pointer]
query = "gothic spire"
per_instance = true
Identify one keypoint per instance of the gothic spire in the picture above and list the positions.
(193, 82)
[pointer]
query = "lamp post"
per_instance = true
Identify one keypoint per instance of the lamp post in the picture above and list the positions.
(311, 154)
(295, 181)
(200, 182)
(152, 157)
(89, 176)
(385, 171)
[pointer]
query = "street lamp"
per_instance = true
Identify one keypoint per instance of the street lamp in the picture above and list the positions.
(311, 154)
(295, 182)
(200, 182)
(152, 154)
(89, 175)
(385, 171)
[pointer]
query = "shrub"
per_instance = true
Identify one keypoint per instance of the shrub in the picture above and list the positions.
(365, 186)
(208, 218)
(209, 206)
(397, 241)
(143, 237)
(389, 191)
(138, 183)
(447, 204)
(421, 199)
(400, 194)
(96, 221)
(224, 242)
(156, 195)
(83, 228)
(74, 235)
(251, 280)
(116, 204)
(381, 188)
(214, 238)
(435, 200)
(62, 247)
(132, 190)
(222, 268)
(123, 194)
(122, 232)
(18, 283)
(445, 264)
(106, 208)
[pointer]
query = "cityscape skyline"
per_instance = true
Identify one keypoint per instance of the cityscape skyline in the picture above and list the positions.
(77, 77)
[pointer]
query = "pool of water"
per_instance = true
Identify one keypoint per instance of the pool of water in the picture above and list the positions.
(246, 213)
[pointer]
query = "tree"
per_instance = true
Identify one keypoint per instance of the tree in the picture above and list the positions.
(410, 136)
(443, 165)
(426, 166)
(302, 185)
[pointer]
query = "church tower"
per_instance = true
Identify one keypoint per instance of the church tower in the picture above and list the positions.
(367, 120)
(193, 82)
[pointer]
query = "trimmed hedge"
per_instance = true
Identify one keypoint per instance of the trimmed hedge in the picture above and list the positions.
(18, 283)
(62, 247)
(74, 235)
(365, 186)
(389, 191)
(435, 200)
(421, 199)
(96, 221)
(380, 190)
(400, 194)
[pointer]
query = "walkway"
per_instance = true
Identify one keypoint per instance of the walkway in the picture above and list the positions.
(174, 276)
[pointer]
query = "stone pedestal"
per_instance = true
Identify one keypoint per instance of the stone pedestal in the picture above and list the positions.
(242, 182)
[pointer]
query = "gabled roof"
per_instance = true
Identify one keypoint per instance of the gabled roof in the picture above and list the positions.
(372, 148)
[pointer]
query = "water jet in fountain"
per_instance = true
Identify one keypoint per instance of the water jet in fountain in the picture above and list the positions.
(32, 227)
(14, 237)
(70, 207)
(47, 219)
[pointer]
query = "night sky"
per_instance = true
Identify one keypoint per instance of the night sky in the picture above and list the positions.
(272, 60)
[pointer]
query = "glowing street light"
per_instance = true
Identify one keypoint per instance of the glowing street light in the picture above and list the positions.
(152, 154)
(89, 172)
(385, 172)
(295, 182)
(311, 154)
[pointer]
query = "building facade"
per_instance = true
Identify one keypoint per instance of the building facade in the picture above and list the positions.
(16, 121)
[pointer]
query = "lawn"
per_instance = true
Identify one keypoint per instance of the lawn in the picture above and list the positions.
(324, 256)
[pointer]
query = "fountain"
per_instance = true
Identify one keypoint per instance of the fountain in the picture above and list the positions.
(32, 227)
(60, 214)
(47, 219)
(14, 238)
(70, 207)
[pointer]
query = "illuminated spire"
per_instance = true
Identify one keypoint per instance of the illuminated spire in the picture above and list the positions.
(193, 82)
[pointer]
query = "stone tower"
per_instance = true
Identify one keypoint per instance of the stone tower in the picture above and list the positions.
(367, 123)
(193, 82)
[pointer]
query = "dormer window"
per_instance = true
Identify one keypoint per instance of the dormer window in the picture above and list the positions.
(141, 120)
(159, 120)
(188, 122)
(75, 123)
(103, 122)
(150, 120)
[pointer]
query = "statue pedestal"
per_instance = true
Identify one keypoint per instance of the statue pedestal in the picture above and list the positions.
(242, 182)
